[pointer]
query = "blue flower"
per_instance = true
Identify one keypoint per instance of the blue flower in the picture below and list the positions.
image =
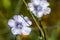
(39, 7)
(20, 25)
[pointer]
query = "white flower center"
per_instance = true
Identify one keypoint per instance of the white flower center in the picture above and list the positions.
(19, 26)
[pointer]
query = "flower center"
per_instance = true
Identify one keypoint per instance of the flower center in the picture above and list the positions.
(19, 25)
(38, 7)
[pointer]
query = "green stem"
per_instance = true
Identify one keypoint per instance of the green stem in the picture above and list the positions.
(18, 7)
(35, 20)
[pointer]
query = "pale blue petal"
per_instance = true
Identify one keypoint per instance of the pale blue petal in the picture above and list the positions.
(11, 23)
(18, 18)
(25, 24)
(31, 7)
(16, 31)
(47, 11)
(15, 17)
(44, 4)
(27, 20)
(39, 14)
(35, 2)
(26, 30)
(34, 12)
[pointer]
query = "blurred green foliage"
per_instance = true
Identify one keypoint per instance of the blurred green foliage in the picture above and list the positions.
(8, 8)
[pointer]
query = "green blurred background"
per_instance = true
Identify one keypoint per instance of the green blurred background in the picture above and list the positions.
(51, 22)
